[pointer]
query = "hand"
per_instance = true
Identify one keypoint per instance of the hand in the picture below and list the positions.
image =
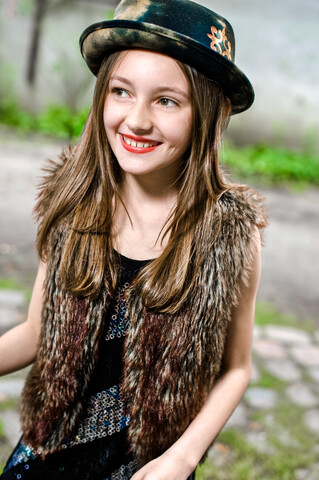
(166, 467)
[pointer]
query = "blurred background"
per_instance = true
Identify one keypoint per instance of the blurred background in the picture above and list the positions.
(45, 93)
(276, 47)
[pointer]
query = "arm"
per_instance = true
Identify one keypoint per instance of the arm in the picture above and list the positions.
(181, 459)
(18, 346)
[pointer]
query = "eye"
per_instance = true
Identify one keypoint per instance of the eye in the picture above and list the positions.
(167, 102)
(120, 92)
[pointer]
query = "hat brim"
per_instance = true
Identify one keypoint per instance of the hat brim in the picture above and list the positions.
(104, 38)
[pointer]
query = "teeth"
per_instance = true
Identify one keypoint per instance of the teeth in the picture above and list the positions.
(131, 142)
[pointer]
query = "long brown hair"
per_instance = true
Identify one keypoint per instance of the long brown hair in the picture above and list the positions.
(80, 191)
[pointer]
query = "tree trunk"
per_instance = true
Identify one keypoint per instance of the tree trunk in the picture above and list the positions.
(39, 10)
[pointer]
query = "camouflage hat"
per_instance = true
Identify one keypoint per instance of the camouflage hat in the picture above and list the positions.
(181, 29)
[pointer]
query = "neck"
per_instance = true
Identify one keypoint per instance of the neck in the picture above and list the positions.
(147, 193)
(155, 185)
(137, 231)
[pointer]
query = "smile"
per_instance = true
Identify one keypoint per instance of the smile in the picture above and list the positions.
(134, 146)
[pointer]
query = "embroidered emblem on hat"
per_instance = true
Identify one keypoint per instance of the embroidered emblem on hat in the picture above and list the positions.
(220, 42)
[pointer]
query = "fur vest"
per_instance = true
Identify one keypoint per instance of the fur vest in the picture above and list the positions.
(170, 361)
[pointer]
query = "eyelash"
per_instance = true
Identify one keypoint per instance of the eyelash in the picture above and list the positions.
(116, 91)
(175, 104)
(119, 91)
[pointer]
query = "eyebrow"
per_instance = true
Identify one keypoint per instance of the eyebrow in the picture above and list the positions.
(160, 89)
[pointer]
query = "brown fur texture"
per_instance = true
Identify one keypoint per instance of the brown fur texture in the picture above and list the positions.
(170, 361)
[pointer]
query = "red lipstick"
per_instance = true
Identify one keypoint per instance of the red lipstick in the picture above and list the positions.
(138, 150)
(137, 138)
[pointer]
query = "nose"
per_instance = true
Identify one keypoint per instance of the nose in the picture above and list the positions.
(138, 119)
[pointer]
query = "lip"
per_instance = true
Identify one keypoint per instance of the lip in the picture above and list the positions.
(139, 139)
(137, 150)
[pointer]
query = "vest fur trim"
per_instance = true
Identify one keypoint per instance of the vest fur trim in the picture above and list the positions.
(170, 361)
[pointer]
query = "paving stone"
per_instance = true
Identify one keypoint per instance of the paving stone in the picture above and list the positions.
(286, 439)
(311, 419)
(308, 356)
(316, 336)
(239, 417)
(11, 426)
(219, 454)
(11, 387)
(287, 335)
(258, 397)
(270, 421)
(283, 369)
(314, 475)
(259, 441)
(314, 374)
(302, 395)
(302, 474)
(308, 474)
(12, 298)
(269, 349)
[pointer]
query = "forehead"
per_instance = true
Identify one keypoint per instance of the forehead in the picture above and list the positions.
(149, 66)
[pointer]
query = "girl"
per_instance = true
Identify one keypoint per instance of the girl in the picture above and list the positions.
(141, 318)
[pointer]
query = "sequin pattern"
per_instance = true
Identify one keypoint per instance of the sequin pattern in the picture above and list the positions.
(22, 454)
(118, 323)
(125, 472)
(105, 416)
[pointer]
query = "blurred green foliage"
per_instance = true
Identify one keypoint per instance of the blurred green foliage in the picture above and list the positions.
(273, 165)
(56, 120)
(8, 283)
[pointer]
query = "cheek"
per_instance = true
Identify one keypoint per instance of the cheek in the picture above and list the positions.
(106, 115)
(188, 127)
(181, 130)
(110, 116)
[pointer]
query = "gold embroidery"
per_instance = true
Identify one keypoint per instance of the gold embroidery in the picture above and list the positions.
(220, 42)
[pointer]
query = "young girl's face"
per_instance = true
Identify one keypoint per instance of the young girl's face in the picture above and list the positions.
(147, 114)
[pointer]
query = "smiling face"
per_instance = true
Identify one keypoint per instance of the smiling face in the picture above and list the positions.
(147, 114)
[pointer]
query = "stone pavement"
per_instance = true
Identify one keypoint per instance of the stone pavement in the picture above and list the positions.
(287, 357)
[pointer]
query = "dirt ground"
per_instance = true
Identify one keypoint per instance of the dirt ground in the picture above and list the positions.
(290, 275)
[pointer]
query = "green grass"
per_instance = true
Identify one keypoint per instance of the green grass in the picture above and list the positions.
(245, 462)
(9, 284)
(267, 314)
(272, 165)
(9, 404)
